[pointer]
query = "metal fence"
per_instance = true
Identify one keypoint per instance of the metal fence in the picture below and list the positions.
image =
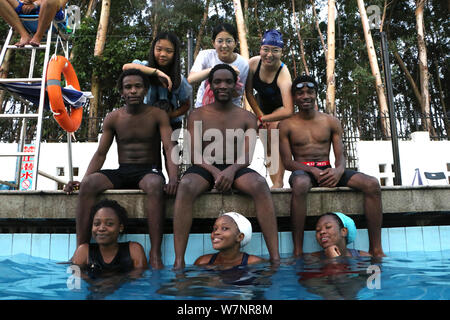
(368, 126)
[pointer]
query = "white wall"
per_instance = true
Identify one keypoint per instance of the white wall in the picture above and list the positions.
(419, 152)
(54, 155)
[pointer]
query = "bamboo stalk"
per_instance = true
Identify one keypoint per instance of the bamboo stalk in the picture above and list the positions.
(375, 69)
(331, 89)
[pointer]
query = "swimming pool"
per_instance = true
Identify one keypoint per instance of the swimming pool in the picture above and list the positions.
(400, 276)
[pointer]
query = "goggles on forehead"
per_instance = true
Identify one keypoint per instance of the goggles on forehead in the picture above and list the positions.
(308, 84)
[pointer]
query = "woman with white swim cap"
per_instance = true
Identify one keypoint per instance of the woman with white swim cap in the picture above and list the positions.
(231, 231)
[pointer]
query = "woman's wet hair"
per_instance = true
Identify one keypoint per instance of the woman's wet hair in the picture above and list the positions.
(120, 211)
(132, 72)
(174, 69)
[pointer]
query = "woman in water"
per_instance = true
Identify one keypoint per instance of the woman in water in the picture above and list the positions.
(107, 255)
(231, 232)
(334, 232)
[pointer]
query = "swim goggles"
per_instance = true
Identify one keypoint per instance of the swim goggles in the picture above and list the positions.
(308, 84)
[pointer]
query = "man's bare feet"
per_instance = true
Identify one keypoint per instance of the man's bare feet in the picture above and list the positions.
(178, 264)
(377, 253)
(23, 42)
(34, 42)
(155, 260)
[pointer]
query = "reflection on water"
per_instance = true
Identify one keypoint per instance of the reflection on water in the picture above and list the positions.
(337, 279)
(402, 276)
(241, 283)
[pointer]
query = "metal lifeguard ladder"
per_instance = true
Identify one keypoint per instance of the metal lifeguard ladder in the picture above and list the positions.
(60, 40)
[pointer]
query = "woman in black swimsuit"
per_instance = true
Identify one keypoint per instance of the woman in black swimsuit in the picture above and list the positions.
(231, 231)
(107, 255)
(269, 77)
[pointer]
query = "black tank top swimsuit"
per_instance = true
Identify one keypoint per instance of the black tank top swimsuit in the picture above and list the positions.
(269, 94)
(244, 260)
(122, 262)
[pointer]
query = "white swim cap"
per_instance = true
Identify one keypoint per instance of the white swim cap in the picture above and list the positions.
(243, 225)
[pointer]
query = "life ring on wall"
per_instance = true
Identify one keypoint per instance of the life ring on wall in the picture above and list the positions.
(56, 66)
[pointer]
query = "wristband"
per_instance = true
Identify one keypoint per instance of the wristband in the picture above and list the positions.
(260, 122)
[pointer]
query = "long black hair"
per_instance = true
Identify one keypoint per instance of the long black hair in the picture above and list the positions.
(174, 69)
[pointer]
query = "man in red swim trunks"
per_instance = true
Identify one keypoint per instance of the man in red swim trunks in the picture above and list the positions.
(307, 137)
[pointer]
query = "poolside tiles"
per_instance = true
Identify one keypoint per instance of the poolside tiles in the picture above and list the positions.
(60, 247)
(21, 243)
(5, 244)
(444, 235)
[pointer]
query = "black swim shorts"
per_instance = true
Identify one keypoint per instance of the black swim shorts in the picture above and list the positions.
(341, 183)
(210, 178)
(128, 176)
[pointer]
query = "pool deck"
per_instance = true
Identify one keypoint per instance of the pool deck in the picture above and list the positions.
(57, 205)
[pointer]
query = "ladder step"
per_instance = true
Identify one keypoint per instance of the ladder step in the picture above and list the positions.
(10, 80)
(27, 47)
(18, 115)
(17, 154)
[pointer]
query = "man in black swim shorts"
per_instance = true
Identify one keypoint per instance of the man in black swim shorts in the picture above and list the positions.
(305, 142)
(128, 176)
(205, 174)
(138, 129)
(219, 169)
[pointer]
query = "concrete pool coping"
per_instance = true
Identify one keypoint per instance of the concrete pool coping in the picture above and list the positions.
(400, 199)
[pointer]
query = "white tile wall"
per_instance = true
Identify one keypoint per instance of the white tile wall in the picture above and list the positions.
(60, 247)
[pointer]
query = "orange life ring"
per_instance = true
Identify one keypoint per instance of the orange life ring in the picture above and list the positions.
(56, 66)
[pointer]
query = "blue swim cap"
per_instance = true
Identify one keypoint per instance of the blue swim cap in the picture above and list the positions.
(272, 38)
(349, 224)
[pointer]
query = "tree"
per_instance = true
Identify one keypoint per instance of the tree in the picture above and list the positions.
(201, 30)
(95, 83)
(375, 70)
(4, 70)
(423, 64)
(331, 106)
(300, 41)
(241, 28)
(242, 34)
(132, 25)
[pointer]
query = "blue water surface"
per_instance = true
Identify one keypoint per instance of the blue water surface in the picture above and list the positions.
(402, 276)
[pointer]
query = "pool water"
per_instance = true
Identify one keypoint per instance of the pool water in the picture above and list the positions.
(400, 276)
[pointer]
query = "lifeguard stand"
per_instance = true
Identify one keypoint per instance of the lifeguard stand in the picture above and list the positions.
(57, 38)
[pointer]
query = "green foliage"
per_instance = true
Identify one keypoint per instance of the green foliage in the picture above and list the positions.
(132, 24)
